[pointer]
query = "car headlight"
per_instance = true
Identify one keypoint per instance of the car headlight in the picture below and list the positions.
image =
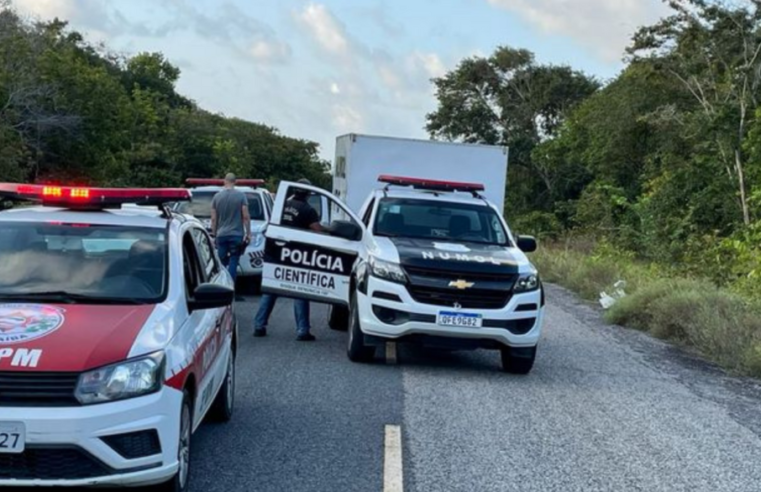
(128, 379)
(387, 271)
(527, 283)
(257, 240)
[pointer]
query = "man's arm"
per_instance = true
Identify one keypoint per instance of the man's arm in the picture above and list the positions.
(246, 218)
(246, 222)
(313, 219)
(213, 218)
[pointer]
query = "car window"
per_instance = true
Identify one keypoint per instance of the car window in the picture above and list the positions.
(200, 206)
(435, 220)
(192, 270)
(205, 252)
(108, 262)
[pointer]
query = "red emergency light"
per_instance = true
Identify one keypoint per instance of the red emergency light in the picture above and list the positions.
(430, 184)
(85, 197)
(254, 183)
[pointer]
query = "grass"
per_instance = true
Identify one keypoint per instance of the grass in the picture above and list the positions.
(721, 325)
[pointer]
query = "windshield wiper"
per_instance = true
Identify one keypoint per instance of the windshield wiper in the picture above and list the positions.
(70, 298)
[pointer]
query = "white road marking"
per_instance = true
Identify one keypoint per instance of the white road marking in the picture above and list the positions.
(390, 352)
(393, 480)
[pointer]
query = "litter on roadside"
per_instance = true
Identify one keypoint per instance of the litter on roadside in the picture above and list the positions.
(608, 300)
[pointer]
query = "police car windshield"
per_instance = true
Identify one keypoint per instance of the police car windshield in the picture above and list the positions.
(81, 263)
(439, 221)
(200, 207)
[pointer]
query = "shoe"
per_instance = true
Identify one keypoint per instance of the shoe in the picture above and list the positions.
(260, 332)
(306, 337)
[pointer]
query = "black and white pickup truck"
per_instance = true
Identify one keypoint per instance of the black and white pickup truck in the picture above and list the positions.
(430, 262)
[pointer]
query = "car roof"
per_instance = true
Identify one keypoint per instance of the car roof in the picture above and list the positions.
(437, 196)
(129, 215)
(215, 189)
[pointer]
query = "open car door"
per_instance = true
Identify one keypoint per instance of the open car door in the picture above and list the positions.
(307, 264)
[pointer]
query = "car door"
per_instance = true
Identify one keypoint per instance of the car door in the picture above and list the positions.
(207, 340)
(306, 264)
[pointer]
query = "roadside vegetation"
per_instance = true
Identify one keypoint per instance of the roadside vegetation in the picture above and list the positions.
(71, 111)
(653, 177)
(721, 323)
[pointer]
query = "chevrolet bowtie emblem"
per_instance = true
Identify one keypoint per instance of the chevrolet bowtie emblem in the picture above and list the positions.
(461, 284)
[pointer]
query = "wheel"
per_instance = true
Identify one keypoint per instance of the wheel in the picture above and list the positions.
(338, 318)
(357, 350)
(180, 481)
(517, 360)
(222, 408)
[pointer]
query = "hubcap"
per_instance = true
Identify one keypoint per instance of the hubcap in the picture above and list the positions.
(184, 448)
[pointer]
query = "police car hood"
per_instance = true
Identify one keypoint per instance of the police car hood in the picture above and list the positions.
(460, 256)
(67, 337)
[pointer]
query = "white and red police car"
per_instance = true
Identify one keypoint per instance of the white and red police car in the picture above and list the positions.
(259, 208)
(430, 262)
(117, 337)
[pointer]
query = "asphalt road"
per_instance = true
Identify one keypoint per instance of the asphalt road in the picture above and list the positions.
(605, 409)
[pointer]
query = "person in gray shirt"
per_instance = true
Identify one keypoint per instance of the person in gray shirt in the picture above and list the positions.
(230, 224)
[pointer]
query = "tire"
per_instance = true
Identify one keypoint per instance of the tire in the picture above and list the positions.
(179, 483)
(357, 350)
(338, 318)
(517, 361)
(224, 403)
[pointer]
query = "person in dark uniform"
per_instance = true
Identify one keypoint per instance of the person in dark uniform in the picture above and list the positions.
(299, 214)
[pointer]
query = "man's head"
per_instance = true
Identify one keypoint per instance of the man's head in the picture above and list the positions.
(300, 193)
(230, 180)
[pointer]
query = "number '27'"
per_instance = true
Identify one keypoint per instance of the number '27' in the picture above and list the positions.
(9, 441)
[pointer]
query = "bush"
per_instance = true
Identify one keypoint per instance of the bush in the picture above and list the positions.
(719, 323)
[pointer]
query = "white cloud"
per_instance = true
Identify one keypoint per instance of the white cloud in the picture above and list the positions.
(431, 63)
(269, 51)
(325, 29)
(48, 9)
(346, 119)
(605, 26)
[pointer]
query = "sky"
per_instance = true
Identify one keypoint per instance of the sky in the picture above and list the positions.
(316, 69)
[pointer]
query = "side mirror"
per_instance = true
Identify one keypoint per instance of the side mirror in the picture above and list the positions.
(527, 244)
(345, 229)
(210, 296)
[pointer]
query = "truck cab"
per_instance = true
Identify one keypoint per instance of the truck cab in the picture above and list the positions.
(425, 261)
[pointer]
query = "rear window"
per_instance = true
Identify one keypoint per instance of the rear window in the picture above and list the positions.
(200, 207)
(107, 263)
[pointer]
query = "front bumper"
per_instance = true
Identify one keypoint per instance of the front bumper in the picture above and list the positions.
(508, 326)
(72, 438)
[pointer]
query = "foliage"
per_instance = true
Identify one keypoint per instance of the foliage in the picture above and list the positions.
(508, 99)
(722, 325)
(72, 112)
(663, 161)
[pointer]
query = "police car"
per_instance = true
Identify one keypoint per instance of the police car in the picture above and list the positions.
(259, 208)
(117, 337)
(425, 261)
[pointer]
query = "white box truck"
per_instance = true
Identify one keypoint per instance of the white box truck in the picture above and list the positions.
(360, 159)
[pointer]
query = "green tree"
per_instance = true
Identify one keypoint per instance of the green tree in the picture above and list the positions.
(508, 99)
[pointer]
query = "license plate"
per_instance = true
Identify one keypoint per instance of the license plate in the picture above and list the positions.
(12, 438)
(466, 320)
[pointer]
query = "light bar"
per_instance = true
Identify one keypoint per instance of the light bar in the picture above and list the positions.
(220, 182)
(430, 184)
(85, 197)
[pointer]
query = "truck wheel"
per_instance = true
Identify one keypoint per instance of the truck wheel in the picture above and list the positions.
(338, 318)
(357, 350)
(517, 360)
(222, 408)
